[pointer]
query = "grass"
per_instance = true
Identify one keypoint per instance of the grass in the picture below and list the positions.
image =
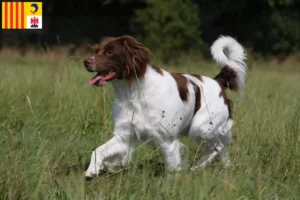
(51, 120)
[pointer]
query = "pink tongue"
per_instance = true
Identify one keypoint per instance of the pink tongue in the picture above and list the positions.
(94, 80)
(102, 79)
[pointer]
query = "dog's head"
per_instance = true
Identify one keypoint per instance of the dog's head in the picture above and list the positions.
(118, 58)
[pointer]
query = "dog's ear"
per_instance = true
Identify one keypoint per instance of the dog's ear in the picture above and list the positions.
(135, 58)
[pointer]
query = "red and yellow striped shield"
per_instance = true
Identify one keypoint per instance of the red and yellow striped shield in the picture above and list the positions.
(21, 15)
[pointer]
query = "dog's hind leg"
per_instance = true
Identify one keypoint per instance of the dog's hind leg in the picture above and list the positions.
(224, 154)
(213, 149)
(217, 144)
(226, 139)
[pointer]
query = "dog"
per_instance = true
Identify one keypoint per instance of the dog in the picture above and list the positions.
(157, 106)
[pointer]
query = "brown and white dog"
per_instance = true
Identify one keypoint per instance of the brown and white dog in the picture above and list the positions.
(151, 104)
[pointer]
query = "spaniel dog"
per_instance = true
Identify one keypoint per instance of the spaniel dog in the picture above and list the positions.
(157, 106)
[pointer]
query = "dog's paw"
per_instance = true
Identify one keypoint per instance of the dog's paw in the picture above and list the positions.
(89, 175)
(93, 170)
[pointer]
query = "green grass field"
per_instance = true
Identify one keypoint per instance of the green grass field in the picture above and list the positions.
(51, 120)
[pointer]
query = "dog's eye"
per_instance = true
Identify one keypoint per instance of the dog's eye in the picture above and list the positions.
(109, 53)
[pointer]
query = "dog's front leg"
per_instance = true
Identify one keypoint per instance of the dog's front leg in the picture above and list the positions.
(111, 156)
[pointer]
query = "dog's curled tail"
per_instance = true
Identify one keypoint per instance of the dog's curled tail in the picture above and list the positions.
(228, 53)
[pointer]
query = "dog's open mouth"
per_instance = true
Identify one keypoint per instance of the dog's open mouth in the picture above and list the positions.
(102, 77)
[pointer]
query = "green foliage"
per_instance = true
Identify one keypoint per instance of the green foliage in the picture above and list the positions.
(284, 35)
(282, 23)
(274, 3)
(268, 27)
(168, 27)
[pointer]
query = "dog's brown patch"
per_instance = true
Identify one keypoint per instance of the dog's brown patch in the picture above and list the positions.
(182, 85)
(227, 101)
(135, 58)
(157, 69)
(227, 78)
(197, 97)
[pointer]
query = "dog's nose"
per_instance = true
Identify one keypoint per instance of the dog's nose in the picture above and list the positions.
(88, 62)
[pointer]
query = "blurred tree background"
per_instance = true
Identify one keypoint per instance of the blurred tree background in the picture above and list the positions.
(267, 27)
